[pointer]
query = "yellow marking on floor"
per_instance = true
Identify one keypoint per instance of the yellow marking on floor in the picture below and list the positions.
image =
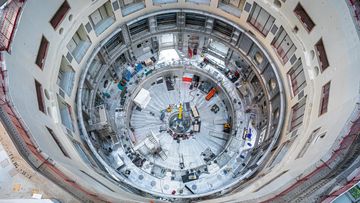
(16, 187)
(35, 191)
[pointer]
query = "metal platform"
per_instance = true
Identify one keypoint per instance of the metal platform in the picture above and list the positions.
(165, 148)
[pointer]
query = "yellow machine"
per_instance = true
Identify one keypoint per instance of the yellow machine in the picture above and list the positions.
(180, 111)
(169, 109)
(227, 127)
(245, 133)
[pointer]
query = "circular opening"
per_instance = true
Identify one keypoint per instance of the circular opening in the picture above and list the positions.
(312, 54)
(178, 118)
(238, 63)
(106, 83)
(61, 30)
(70, 17)
(258, 58)
(296, 29)
(47, 95)
(272, 84)
(277, 3)
(316, 70)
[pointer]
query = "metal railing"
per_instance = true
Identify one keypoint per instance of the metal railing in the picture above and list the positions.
(14, 124)
(346, 143)
(332, 196)
(8, 19)
(30, 151)
(28, 148)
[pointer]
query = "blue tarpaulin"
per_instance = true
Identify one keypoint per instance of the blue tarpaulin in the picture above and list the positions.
(127, 75)
(138, 67)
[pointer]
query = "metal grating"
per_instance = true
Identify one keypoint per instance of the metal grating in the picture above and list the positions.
(139, 27)
(168, 19)
(195, 20)
(114, 42)
(223, 28)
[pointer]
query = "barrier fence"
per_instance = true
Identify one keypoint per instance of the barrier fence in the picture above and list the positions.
(8, 19)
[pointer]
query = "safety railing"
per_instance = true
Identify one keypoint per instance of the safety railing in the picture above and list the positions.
(351, 131)
(29, 149)
(8, 18)
(332, 196)
(13, 123)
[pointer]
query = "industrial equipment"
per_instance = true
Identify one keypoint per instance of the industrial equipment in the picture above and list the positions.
(195, 112)
(210, 94)
(180, 115)
(215, 108)
(195, 81)
(169, 83)
(143, 98)
(227, 128)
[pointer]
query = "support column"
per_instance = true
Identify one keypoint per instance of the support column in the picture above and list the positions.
(127, 39)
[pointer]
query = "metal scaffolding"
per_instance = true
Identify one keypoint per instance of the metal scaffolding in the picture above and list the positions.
(8, 18)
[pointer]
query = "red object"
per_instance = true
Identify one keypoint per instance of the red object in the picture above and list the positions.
(206, 60)
(237, 74)
(190, 52)
(210, 94)
(173, 192)
(187, 77)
